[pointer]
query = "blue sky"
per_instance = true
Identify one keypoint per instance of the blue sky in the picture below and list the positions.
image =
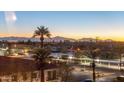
(68, 24)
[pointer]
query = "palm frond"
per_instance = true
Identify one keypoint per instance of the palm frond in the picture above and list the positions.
(48, 35)
(36, 33)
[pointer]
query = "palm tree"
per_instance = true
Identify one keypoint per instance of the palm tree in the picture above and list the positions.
(41, 57)
(65, 71)
(42, 31)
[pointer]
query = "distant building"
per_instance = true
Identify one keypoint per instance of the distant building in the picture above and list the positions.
(87, 40)
(3, 49)
(94, 40)
(24, 70)
(108, 40)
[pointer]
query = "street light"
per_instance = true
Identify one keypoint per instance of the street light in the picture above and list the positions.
(49, 62)
(57, 58)
(70, 58)
(121, 55)
(97, 60)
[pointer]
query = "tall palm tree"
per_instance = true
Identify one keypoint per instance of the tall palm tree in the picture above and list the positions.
(41, 57)
(42, 31)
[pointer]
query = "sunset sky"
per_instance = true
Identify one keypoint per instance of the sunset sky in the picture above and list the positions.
(105, 25)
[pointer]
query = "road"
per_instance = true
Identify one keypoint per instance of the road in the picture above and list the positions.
(103, 74)
(78, 76)
(108, 78)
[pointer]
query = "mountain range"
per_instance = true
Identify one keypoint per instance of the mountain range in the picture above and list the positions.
(53, 39)
(15, 39)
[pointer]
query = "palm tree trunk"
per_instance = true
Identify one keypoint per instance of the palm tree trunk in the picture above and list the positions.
(120, 64)
(42, 43)
(31, 76)
(42, 75)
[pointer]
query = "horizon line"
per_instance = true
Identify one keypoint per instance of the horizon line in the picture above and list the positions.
(65, 37)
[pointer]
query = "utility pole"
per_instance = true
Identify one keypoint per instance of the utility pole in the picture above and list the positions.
(120, 63)
(94, 74)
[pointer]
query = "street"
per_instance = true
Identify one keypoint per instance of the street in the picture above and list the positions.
(84, 72)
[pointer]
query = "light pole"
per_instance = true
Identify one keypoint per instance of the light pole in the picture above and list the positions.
(120, 63)
(58, 60)
(97, 60)
(94, 54)
(70, 58)
(94, 74)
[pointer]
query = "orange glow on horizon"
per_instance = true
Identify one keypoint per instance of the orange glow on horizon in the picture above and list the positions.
(16, 35)
(73, 37)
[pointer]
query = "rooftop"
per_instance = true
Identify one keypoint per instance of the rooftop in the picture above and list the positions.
(11, 64)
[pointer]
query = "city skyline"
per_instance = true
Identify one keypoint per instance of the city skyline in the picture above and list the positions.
(105, 25)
